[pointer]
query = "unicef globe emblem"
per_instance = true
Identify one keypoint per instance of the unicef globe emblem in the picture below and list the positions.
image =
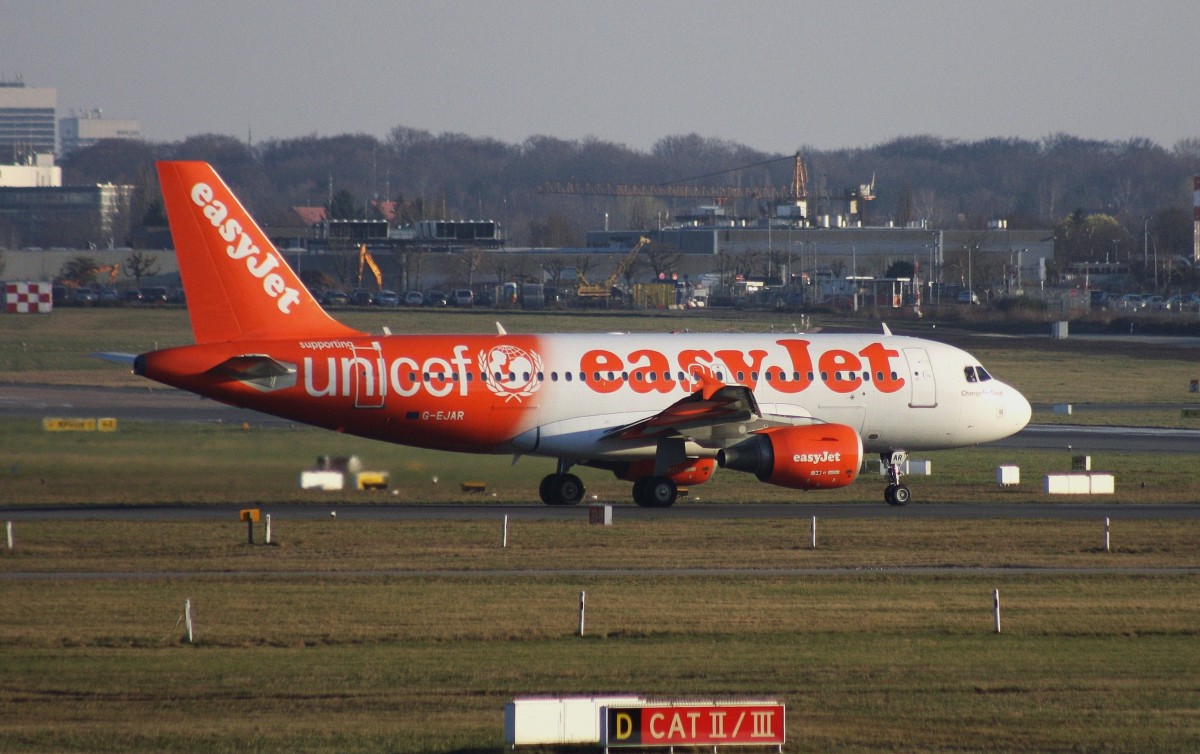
(511, 371)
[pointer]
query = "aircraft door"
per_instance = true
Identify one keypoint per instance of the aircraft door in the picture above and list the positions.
(920, 371)
(367, 376)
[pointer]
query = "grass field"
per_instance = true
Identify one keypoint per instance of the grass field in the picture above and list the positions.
(339, 639)
(351, 636)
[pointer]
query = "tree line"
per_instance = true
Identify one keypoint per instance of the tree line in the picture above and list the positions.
(1090, 192)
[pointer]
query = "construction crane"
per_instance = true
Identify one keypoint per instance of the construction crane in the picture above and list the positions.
(796, 194)
(797, 191)
(604, 290)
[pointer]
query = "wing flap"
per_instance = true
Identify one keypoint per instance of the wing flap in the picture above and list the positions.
(712, 404)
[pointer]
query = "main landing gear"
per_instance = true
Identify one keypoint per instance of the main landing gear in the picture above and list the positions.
(895, 493)
(561, 488)
(655, 492)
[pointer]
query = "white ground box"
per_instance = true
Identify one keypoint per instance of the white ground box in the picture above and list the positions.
(1008, 475)
(911, 466)
(541, 721)
(329, 481)
(1079, 484)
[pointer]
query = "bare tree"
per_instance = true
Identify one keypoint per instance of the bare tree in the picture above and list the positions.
(80, 270)
(662, 258)
(470, 261)
(139, 265)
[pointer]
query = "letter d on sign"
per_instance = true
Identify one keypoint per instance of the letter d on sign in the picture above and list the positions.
(624, 726)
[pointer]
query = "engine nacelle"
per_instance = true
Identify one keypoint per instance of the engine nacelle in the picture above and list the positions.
(816, 457)
(688, 474)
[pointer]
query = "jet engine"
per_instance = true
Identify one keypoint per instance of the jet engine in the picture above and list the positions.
(816, 457)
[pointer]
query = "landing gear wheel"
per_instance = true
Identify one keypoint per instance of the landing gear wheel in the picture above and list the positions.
(561, 489)
(897, 494)
(655, 492)
(639, 492)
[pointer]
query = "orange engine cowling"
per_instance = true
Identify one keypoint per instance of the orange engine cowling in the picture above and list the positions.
(817, 457)
(688, 474)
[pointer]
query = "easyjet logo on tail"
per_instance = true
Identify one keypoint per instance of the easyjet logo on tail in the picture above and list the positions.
(241, 246)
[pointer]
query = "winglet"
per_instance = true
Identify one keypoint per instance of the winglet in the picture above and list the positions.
(237, 283)
(887, 331)
(709, 385)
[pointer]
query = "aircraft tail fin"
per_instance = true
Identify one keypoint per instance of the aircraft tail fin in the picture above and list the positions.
(237, 284)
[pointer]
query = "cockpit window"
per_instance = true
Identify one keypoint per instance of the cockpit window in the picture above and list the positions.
(976, 374)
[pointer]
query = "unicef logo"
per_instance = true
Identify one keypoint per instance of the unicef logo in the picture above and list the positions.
(511, 372)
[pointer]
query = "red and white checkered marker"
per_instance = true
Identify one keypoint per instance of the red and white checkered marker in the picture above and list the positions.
(28, 298)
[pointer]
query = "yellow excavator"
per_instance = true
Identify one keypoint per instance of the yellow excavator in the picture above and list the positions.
(604, 290)
(365, 258)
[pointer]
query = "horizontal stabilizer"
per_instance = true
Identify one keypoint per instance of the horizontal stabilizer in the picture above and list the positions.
(116, 358)
(257, 370)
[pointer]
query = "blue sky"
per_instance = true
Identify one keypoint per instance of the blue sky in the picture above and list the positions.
(776, 76)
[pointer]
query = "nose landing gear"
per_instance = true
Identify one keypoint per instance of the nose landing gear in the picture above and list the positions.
(895, 493)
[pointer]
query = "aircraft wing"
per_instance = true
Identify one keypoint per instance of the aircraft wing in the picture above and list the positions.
(712, 405)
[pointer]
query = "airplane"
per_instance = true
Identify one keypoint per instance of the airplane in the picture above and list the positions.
(658, 410)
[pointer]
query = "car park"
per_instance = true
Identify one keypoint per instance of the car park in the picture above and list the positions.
(414, 298)
(462, 297)
(435, 298)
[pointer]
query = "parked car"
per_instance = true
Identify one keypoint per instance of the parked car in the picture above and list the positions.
(1154, 303)
(462, 297)
(968, 297)
(84, 296)
(132, 296)
(108, 296)
(361, 297)
(154, 295)
(334, 298)
(414, 298)
(387, 298)
(1130, 302)
(435, 298)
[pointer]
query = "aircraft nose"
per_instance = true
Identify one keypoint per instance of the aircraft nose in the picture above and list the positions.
(1018, 410)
